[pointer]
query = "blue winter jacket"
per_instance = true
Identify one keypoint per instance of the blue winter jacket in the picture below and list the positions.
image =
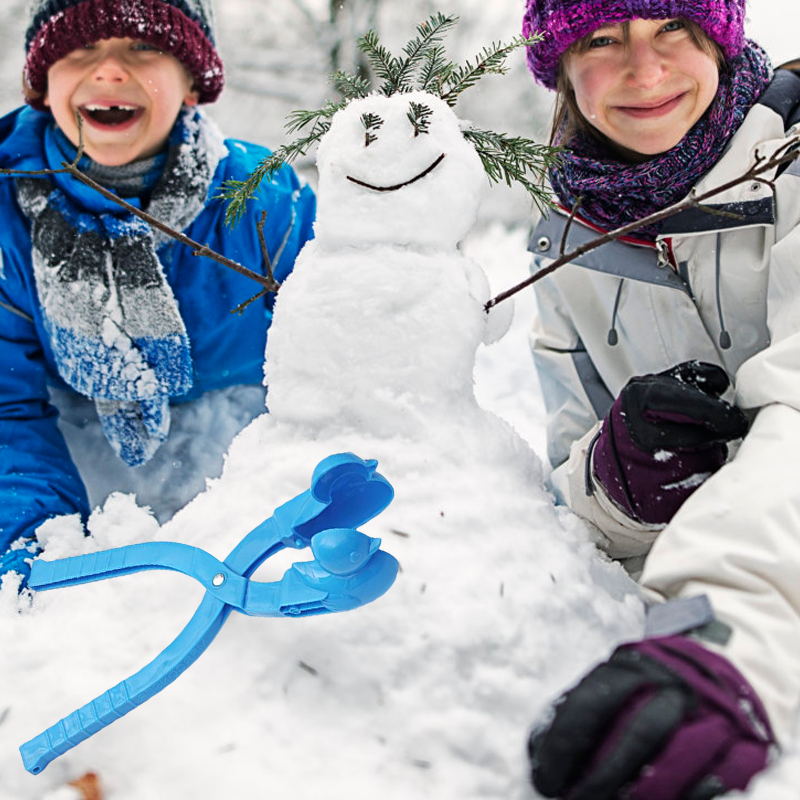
(37, 477)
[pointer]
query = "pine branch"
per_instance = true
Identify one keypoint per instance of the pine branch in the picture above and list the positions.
(762, 165)
(237, 193)
(297, 120)
(490, 61)
(504, 158)
(429, 34)
(435, 71)
(350, 87)
(371, 123)
(383, 63)
(419, 115)
(515, 159)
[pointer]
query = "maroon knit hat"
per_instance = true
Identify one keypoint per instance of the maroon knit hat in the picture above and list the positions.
(180, 27)
(563, 22)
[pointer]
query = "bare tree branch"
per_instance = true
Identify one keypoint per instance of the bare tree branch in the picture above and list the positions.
(202, 250)
(267, 264)
(563, 246)
(785, 154)
(263, 242)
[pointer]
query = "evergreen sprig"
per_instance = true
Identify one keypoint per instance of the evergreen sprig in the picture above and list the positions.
(490, 61)
(514, 159)
(371, 123)
(383, 63)
(429, 37)
(435, 71)
(419, 115)
(237, 193)
(423, 67)
(350, 87)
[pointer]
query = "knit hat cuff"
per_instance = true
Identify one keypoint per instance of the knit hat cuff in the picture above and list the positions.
(564, 23)
(152, 21)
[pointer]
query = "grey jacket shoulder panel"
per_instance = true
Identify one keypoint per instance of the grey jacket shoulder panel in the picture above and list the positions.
(624, 260)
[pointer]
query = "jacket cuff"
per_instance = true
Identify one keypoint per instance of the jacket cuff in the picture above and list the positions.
(575, 484)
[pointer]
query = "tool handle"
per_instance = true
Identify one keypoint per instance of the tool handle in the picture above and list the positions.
(77, 727)
(222, 582)
(132, 692)
(91, 567)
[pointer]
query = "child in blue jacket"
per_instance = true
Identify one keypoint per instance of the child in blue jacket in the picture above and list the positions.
(92, 300)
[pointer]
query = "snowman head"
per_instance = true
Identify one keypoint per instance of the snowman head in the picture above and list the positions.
(397, 170)
(395, 165)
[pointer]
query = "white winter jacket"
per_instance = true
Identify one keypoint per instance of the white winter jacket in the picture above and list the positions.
(723, 288)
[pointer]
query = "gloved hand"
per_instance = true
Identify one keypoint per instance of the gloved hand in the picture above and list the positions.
(662, 719)
(18, 558)
(663, 436)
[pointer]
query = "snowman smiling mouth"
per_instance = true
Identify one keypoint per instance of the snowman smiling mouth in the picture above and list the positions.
(110, 115)
(426, 171)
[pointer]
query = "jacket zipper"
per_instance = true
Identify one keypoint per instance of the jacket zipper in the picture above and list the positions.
(664, 254)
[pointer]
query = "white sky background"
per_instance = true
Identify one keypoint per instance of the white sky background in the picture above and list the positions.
(775, 24)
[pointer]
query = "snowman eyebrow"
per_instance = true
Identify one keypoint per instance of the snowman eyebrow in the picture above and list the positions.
(371, 123)
(419, 116)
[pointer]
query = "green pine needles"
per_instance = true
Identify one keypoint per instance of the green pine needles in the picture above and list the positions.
(424, 67)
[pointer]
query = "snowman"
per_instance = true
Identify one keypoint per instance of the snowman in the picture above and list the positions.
(399, 188)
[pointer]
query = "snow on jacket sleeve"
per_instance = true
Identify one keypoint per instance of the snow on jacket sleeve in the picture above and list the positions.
(37, 477)
(737, 539)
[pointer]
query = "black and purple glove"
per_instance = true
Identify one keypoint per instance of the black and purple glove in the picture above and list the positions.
(662, 719)
(663, 436)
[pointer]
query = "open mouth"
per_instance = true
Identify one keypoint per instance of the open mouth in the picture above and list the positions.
(110, 116)
(426, 171)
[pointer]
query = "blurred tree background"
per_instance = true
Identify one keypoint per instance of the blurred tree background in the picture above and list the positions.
(278, 55)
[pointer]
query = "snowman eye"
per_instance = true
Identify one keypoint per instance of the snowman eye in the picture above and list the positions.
(419, 115)
(371, 123)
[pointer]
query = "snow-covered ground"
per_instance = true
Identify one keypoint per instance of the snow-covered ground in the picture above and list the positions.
(501, 602)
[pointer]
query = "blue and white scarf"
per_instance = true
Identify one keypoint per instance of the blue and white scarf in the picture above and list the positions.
(114, 326)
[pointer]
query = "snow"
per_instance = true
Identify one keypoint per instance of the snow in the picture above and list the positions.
(427, 692)
(502, 600)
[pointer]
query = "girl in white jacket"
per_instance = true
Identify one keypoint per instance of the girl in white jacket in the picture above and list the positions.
(657, 352)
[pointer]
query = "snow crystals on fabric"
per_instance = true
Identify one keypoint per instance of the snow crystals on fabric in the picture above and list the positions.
(115, 328)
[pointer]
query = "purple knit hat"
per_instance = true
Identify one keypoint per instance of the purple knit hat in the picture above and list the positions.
(183, 28)
(563, 22)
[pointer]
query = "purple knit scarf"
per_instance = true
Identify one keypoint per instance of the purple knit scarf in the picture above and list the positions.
(614, 193)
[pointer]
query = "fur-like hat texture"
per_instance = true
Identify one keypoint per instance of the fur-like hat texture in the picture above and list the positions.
(183, 28)
(563, 22)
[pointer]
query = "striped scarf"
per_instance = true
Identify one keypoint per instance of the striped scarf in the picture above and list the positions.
(114, 326)
(614, 193)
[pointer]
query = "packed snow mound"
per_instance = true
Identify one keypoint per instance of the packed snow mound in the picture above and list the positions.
(330, 363)
(429, 692)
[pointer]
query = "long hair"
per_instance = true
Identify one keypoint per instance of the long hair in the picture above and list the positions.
(567, 117)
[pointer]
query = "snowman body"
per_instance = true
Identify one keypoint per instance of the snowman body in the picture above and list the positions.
(377, 327)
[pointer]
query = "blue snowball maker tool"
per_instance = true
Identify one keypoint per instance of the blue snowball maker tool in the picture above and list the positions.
(348, 571)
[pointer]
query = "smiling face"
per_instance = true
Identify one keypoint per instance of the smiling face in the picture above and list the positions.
(397, 170)
(127, 93)
(643, 87)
